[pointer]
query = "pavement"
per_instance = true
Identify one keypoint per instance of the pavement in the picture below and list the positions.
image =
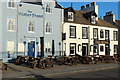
(21, 71)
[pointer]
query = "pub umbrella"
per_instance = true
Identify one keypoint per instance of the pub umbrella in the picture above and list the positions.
(53, 48)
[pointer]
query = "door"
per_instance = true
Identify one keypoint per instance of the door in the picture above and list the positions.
(107, 50)
(72, 48)
(31, 48)
(84, 49)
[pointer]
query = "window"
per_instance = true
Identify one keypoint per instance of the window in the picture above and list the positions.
(95, 49)
(115, 37)
(48, 47)
(10, 46)
(93, 20)
(115, 49)
(11, 24)
(72, 49)
(48, 7)
(70, 16)
(31, 26)
(95, 33)
(84, 32)
(72, 31)
(11, 3)
(101, 34)
(79, 47)
(101, 48)
(48, 27)
(107, 35)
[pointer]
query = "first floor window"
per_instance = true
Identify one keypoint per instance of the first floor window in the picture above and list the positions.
(31, 26)
(72, 31)
(115, 49)
(84, 32)
(115, 37)
(101, 48)
(106, 34)
(48, 47)
(11, 3)
(95, 33)
(10, 46)
(11, 24)
(101, 34)
(72, 49)
(48, 27)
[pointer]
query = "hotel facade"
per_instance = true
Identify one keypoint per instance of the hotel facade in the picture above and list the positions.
(45, 28)
(30, 28)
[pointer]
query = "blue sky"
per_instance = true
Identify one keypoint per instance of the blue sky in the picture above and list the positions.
(103, 6)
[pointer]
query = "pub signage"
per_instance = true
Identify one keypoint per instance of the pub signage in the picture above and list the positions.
(29, 13)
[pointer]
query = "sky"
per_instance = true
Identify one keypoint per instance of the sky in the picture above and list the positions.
(102, 6)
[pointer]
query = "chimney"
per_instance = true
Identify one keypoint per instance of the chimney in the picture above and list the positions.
(82, 7)
(87, 5)
(109, 17)
(89, 8)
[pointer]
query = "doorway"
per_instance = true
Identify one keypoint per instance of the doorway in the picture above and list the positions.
(84, 49)
(31, 48)
(107, 50)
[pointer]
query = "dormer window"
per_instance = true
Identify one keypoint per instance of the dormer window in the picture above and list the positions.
(93, 19)
(70, 16)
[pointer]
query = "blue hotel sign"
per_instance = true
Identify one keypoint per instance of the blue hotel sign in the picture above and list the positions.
(30, 14)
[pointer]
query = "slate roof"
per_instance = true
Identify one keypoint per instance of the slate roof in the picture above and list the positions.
(79, 18)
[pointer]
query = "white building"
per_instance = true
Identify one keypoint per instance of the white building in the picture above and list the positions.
(86, 34)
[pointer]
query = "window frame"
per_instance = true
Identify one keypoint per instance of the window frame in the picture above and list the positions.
(28, 28)
(11, 4)
(86, 33)
(107, 35)
(71, 44)
(115, 34)
(101, 35)
(14, 27)
(48, 7)
(70, 16)
(74, 32)
(94, 32)
(48, 28)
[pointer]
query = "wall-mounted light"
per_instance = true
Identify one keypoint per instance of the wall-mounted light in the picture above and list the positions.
(24, 42)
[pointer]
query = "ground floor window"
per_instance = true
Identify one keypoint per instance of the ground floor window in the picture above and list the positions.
(48, 47)
(10, 46)
(101, 48)
(115, 49)
(72, 48)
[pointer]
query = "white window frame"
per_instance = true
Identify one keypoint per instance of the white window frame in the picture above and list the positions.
(48, 47)
(93, 19)
(86, 36)
(70, 16)
(73, 32)
(14, 27)
(7, 46)
(14, 4)
(48, 28)
(48, 8)
(32, 28)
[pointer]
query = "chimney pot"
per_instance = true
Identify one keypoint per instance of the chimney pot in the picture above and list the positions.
(93, 3)
(87, 5)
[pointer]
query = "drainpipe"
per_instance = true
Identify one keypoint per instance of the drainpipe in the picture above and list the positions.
(88, 40)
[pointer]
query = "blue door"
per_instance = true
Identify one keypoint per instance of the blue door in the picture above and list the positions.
(31, 48)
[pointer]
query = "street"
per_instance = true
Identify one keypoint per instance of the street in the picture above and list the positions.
(83, 71)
